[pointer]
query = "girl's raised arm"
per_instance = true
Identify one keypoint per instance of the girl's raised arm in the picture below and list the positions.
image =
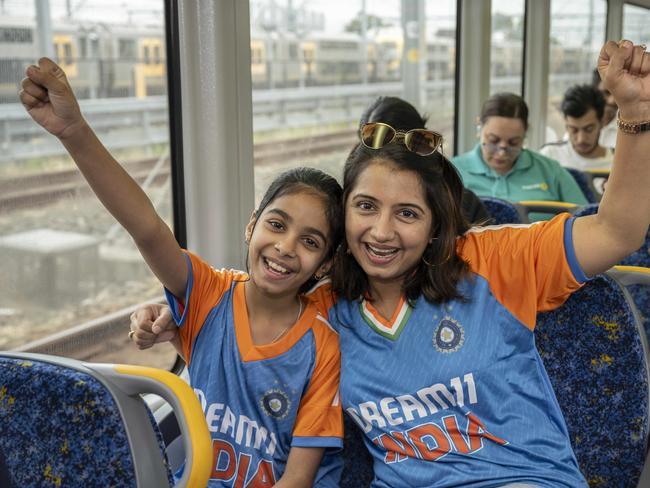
(623, 217)
(49, 100)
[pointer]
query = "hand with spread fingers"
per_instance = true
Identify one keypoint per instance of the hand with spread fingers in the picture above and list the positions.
(152, 324)
(625, 71)
(48, 98)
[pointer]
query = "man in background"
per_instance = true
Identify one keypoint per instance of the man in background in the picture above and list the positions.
(583, 108)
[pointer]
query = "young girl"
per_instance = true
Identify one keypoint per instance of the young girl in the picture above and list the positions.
(439, 366)
(264, 365)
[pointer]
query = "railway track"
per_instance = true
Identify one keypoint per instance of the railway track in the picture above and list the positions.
(30, 191)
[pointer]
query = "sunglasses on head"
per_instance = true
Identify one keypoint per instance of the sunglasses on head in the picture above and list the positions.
(420, 141)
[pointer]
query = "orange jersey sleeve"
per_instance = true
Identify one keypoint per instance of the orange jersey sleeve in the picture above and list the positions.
(204, 290)
(319, 413)
(322, 296)
(529, 268)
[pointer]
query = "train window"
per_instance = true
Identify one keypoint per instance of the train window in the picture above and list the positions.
(506, 56)
(364, 49)
(67, 53)
(635, 23)
(83, 47)
(577, 34)
(15, 35)
(126, 49)
(69, 275)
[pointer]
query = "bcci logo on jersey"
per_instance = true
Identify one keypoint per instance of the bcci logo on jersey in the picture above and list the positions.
(276, 403)
(448, 336)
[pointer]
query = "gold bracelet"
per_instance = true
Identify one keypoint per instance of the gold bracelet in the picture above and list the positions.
(628, 127)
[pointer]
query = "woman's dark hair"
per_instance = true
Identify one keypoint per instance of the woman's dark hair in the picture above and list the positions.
(505, 105)
(437, 274)
(395, 112)
(320, 184)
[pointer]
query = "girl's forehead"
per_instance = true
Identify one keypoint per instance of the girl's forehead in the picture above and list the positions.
(304, 208)
(303, 196)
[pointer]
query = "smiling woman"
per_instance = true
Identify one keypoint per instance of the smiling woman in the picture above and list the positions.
(387, 228)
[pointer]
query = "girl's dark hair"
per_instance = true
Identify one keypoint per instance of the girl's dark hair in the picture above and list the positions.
(505, 105)
(437, 274)
(310, 180)
(395, 112)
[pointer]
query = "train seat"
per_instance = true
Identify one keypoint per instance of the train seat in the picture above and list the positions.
(586, 183)
(636, 280)
(73, 424)
(357, 461)
(595, 353)
(541, 209)
(503, 211)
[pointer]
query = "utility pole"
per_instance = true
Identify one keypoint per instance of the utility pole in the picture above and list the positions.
(44, 28)
(364, 43)
(414, 56)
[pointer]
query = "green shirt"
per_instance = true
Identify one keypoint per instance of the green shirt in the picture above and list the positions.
(533, 177)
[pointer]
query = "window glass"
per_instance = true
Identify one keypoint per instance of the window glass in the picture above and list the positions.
(69, 274)
(126, 49)
(506, 56)
(577, 34)
(315, 66)
(635, 24)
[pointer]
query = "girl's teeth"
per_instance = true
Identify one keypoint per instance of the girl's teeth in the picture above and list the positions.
(276, 267)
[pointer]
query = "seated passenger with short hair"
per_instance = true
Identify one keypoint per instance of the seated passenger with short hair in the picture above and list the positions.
(583, 107)
(499, 166)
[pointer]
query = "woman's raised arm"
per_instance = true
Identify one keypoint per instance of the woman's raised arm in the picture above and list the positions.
(623, 217)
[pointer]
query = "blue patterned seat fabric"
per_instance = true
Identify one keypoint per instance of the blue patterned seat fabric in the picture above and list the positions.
(61, 428)
(593, 352)
(502, 211)
(584, 182)
(641, 257)
(589, 209)
(357, 461)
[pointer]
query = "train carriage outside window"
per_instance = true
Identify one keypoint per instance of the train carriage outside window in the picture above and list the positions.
(68, 273)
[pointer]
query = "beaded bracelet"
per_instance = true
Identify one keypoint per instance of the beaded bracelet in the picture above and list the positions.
(632, 127)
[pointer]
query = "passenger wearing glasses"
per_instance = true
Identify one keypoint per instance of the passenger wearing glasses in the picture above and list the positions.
(499, 166)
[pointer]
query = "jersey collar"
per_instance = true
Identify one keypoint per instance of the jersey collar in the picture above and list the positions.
(390, 329)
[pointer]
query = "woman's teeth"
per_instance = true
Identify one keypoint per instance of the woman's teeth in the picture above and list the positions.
(381, 252)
